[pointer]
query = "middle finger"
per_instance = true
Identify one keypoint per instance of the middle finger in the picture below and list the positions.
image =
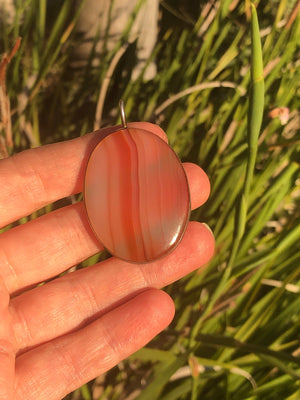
(49, 245)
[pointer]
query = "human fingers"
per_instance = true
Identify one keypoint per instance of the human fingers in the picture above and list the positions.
(72, 300)
(51, 371)
(7, 348)
(34, 178)
(198, 183)
(63, 238)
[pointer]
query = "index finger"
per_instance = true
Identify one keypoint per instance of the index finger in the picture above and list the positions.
(34, 178)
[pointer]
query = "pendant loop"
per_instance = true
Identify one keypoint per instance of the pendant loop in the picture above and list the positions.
(123, 115)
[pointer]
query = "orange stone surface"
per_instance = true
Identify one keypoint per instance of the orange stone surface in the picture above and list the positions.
(136, 195)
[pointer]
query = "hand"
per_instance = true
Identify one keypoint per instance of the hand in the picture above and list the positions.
(56, 336)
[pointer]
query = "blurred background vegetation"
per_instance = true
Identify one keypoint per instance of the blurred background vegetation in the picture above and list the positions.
(236, 330)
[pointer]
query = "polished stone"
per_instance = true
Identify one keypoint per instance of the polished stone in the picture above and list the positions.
(136, 195)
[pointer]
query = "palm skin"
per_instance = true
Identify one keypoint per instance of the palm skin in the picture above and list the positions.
(57, 336)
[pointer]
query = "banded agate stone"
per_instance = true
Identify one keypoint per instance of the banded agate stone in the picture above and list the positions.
(136, 195)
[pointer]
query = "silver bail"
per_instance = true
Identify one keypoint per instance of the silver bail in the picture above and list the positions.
(123, 115)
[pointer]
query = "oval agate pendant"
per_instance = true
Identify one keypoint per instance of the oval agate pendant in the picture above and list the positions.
(136, 194)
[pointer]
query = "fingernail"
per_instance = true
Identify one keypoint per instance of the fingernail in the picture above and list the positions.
(208, 227)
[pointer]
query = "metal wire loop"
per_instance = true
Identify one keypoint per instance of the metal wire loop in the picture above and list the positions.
(123, 115)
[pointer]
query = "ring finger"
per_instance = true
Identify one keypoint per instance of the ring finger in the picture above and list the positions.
(75, 299)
